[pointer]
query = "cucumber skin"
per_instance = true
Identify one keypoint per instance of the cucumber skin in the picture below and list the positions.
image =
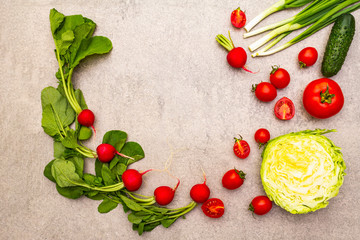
(338, 45)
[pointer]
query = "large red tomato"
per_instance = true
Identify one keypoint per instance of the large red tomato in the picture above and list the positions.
(323, 98)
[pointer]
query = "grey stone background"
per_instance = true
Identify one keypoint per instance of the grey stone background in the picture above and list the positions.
(166, 83)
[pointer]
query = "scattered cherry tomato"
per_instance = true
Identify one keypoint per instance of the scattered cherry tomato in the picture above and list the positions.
(241, 148)
(233, 179)
(238, 18)
(307, 57)
(262, 136)
(260, 205)
(213, 208)
(284, 109)
(279, 77)
(323, 98)
(265, 91)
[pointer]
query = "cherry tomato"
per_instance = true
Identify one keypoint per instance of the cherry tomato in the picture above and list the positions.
(233, 179)
(241, 148)
(307, 57)
(323, 98)
(265, 91)
(238, 18)
(213, 208)
(284, 109)
(260, 205)
(262, 136)
(279, 77)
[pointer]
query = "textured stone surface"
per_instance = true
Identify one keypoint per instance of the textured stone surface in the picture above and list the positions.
(165, 81)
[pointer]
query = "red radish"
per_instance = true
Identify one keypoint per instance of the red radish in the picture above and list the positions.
(237, 56)
(106, 153)
(87, 118)
(164, 194)
(132, 179)
(200, 192)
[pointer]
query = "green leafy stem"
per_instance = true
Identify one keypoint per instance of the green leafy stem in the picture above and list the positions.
(67, 85)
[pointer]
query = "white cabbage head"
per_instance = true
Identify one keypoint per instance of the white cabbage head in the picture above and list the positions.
(301, 171)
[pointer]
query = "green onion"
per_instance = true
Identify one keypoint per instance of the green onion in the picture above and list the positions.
(280, 5)
(328, 18)
(309, 15)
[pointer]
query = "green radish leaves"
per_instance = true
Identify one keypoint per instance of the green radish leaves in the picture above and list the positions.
(73, 38)
(56, 20)
(57, 113)
(70, 139)
(106, 206)
(74, 41)
(119, 164)
(90, 46)
(115, 138)
(64, 172)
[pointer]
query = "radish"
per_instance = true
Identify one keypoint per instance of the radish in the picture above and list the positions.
(200, 192)
(106, 152)
(87, 118)
(132, 179)
(237, 56)
(164, 194)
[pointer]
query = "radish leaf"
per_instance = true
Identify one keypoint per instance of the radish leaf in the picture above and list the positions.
(107, 205)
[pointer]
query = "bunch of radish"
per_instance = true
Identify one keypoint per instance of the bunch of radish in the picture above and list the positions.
(132, 178)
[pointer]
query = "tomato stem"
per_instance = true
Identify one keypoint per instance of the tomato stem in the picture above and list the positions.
(274, 69)
(326, 97)
(253, 87)
(241, 173)
(238, 139)
(302, 65)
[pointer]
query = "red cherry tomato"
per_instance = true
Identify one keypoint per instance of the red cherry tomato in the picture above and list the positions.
(265, 91)
(262, 136)
(238, 18)
(279, 77)
(307, 57)
(213, 208)
(323, 98)
(241, 148)
(260, 205)
(233, 179)
(284, 109)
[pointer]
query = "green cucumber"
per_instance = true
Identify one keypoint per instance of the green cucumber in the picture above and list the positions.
(338, 45)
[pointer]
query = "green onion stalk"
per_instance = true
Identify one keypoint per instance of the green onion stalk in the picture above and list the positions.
(328, 18)
(310, 15)
(278, 6)
(285, 21)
